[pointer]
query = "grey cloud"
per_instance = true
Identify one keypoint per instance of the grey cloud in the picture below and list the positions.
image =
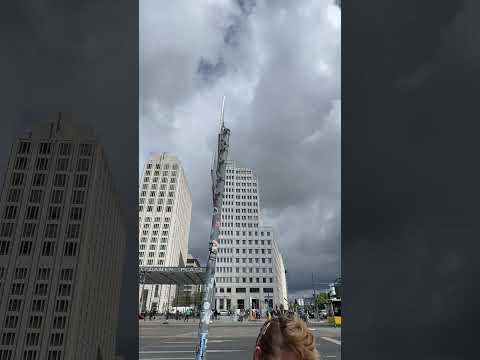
(280, 71)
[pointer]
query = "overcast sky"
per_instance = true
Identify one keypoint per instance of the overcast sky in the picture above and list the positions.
(278, 63)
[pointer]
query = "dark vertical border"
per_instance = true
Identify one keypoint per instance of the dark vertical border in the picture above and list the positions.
(410, 179)
(81, 57)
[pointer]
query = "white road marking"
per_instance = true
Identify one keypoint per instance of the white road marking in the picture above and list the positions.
(186, 351)
(332, 340)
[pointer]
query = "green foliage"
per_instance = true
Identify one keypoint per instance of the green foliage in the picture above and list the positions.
(322, 300)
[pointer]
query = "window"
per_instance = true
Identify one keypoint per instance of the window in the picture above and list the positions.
(25, 248)
(62, 164)
(17, 179)
(56, 339)
(32, 212)
(85, 149)
(83, 165)
(60, 180)
(29, 230)
(39, 179)
(66, 274)
(38, 305)
(43, 274)
(70, 248)
(36, 196)
(57, 196)
(61, 306)
(41, 289)
(14, 195)
(59, 322)
(24, 147)
(65, 149)
(4, 247)
(73, 231)
(54, 355)
(75, 213)
(42, 164)
(78, 197)
(35, 322)
(32, 339)
(14, 305)
(8, 339)
(10, 212)
(11, 321)
(81, 180)
(45, 148)
(48, 248)
(17, 289)
(240, 290)
(54, 213)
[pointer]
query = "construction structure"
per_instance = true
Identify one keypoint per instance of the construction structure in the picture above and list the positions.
(218, 188)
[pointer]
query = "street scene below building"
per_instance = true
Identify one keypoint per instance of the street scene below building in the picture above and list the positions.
(177, 339)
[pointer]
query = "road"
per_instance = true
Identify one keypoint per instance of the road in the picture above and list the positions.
(177, 340)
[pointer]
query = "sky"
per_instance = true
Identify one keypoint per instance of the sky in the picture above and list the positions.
(278, 64)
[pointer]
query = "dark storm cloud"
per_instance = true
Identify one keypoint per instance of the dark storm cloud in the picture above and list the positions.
(278, 63)
(79, 57)
(410, 184)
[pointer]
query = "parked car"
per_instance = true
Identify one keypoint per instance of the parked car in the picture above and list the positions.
(223, 312)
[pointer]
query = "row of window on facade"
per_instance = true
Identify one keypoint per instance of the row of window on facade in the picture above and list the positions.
(36, 196)
(243, 290)
(155, 232)
(245, 280)
(70, 248)
(45, 148)
(165, 166)
(244, 251)
(159, 208)
(59, 180)
(242, 190)
(42, 164)
(244, 242)
(222, 269)
(153, 240)
(223, 260)
(160, 201)
(7, 354)
(151, 261)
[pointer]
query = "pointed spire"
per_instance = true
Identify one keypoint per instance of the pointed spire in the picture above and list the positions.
(223, 112)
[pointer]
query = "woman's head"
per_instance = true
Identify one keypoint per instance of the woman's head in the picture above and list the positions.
(285, 339)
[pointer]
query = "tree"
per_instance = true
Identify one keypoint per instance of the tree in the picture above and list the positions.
(322, 300)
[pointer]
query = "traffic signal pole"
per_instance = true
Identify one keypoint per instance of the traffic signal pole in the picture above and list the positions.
(218, 187)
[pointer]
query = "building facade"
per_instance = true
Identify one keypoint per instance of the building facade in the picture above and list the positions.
(62, 241)
(249, 272)
(165, 211)
(192, 289)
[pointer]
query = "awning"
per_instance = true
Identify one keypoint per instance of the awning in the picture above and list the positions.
(173, 275)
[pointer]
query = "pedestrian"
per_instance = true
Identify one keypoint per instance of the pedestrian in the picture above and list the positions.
(150, 315)
(286, 339)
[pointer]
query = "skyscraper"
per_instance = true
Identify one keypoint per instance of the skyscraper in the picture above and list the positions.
(62, 242)
(249, 270)
(165, 211)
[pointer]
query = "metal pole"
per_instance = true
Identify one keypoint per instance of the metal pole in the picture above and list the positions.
(218, 186)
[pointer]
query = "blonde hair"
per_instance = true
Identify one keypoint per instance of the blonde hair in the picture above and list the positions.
(283, 334)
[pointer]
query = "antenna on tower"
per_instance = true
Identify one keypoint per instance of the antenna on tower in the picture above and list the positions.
(223, 112)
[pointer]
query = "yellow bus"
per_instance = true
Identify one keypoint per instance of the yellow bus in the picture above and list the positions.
(334, 316)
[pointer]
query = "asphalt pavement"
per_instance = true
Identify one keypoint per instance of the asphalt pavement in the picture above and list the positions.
(177, 340)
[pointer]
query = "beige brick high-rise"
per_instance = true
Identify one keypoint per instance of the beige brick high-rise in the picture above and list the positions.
(62, 242)
(165, 212)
